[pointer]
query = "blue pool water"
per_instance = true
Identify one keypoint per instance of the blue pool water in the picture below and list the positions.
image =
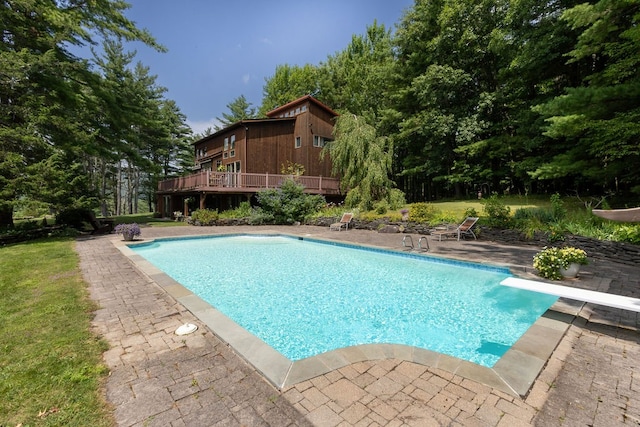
(306, 297)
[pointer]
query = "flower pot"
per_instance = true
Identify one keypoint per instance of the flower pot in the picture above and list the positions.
(128, 236)
(571, 271)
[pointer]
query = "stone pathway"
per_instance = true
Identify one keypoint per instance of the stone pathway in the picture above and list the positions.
(160, 379)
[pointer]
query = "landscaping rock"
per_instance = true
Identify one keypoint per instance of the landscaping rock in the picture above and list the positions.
(389, 229)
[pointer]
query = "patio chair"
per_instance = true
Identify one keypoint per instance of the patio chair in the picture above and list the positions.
(100, 225)
(344, 222)
(464, 229)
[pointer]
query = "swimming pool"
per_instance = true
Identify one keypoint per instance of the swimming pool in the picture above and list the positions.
(305, 297)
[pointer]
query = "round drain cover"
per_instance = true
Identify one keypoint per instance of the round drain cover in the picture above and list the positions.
(185, 329)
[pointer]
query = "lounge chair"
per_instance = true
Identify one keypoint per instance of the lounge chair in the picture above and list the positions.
(100, 225)
(464, 229)
(344, 222)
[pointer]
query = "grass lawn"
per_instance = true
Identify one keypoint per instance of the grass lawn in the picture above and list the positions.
(148, 219)
(514, 202)
(51, 369)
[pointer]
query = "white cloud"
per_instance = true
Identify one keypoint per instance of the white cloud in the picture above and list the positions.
(202, 125)
(246, 78)
(265, 40)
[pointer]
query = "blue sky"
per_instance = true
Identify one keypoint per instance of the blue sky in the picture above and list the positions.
(219, 50)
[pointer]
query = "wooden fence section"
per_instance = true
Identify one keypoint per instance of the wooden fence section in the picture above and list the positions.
(245, 182)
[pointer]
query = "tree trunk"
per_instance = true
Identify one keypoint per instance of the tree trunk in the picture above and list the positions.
(119, 190)
(6, 216)
(103, 189)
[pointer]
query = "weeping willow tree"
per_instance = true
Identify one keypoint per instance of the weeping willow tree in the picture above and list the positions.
(362, 159)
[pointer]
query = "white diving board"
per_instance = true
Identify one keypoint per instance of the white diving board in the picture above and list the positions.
(601, 298)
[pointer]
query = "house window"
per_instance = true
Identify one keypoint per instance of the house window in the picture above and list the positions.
(304, 108)
(320, 141)
(297, 111)
(218, 164)
(226, 155)
(233, 153)
(298, 142)
(233, 143)
(226, 144)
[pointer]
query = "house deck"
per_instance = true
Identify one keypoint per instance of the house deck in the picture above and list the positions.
(230, 182)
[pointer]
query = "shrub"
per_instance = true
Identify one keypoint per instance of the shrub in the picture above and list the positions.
(422, 212)
(542, 215)
(471, 212)
(381, 207)
(447, 217)
(354, 199)
(555, 233)
(258, 217)
(286, 205)
(74, 217)
(396, 199)
(558, 210)
(626, 233)
(498, 213)
(204, 217)
(242, 211)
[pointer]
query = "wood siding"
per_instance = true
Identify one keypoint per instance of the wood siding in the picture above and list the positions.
(267, 145)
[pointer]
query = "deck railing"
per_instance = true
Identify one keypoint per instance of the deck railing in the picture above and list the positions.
(245, 182)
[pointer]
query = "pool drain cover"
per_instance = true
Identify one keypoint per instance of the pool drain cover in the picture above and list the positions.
(186, 329)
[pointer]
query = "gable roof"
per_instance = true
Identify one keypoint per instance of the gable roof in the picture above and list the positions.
(300, 100)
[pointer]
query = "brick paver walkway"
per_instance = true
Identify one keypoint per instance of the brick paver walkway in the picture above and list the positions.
(160, 379)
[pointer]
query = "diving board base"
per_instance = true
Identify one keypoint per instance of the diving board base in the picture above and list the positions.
(600, 298)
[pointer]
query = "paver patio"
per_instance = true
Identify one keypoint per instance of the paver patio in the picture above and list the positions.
(159, 378)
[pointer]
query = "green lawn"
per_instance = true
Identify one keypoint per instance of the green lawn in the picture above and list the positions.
(459, 207)
(147, 218)
(51, 369)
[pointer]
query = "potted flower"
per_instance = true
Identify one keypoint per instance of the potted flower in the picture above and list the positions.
(128, 231)
(572, 259)
(556, 263)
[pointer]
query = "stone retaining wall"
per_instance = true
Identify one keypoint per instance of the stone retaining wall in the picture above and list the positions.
(625, 253)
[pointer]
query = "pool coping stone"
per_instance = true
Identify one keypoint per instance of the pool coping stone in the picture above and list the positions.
(514, 373)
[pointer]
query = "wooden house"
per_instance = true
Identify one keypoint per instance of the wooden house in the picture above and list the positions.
(236, 162)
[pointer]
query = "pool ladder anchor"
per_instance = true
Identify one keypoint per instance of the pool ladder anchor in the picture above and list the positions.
(407, 242)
